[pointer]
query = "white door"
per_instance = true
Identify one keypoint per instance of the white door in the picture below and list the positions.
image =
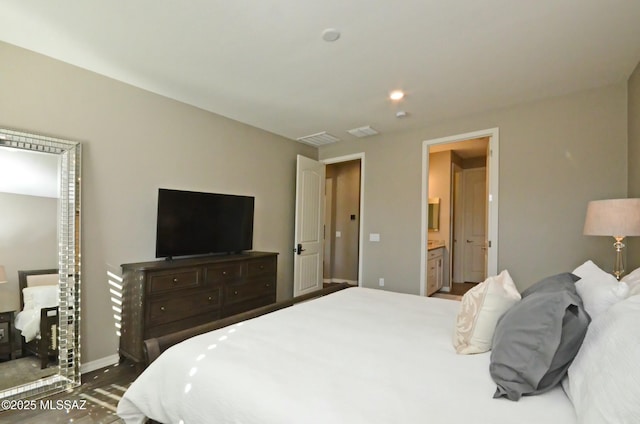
(475, 224)
(308, 249)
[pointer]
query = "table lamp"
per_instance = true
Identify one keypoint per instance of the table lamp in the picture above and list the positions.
(618, 218)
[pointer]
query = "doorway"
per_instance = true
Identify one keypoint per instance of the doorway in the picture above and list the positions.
(310, 231)
(344, 227)
(462, 171)
(342, 220)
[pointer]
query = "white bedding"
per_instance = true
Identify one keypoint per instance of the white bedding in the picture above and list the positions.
(28, 322)
(43, 294)
(355, 356)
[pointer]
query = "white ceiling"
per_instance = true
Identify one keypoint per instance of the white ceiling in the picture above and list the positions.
(265, 63)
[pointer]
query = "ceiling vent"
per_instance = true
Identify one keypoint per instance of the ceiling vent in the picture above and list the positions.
(319, 139)
(363, 131)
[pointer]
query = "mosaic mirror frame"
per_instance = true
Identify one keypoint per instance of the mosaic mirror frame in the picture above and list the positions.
(69, 153)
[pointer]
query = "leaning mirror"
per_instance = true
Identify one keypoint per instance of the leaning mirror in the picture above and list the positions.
(40, 260)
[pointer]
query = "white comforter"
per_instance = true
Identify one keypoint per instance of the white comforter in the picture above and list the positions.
(28, 322)
(356, 356)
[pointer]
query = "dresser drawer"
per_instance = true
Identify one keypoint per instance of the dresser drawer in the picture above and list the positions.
(174, 280)
(219, 273)
(166, 309)
(250, 290)
(261, 267)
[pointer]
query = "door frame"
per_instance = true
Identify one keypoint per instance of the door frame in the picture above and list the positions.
(492, 201)
(347, 158)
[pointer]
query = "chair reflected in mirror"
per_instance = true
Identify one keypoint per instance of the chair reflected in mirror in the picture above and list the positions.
(37, 320)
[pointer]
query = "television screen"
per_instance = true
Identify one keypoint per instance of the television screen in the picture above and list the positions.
(194, 223)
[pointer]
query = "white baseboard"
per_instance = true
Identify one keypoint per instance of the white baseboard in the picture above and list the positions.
(340, 280)
(99, 363)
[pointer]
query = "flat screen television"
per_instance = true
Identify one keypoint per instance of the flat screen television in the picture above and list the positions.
(195, 223)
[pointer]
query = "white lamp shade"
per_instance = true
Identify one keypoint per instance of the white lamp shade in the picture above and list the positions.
(613, 217)
(3, 275)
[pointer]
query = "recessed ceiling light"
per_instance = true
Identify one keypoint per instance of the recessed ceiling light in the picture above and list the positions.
(330, 34)
(396, 95)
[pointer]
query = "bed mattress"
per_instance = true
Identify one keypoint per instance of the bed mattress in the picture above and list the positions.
(356, 356)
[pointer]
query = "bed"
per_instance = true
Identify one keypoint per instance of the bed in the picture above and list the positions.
(38, 317)
(355, 356)
(563, 351)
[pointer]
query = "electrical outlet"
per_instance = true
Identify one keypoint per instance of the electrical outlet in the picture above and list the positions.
(381, 282)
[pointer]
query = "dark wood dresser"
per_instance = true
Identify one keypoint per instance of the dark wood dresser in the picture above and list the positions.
(6, 333)
(161, 297)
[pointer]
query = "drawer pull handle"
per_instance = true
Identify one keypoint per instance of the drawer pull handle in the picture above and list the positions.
(235, 292)
(268, 285)
(162, 308)
(210, 298)
(175, 281)
(224, 272)
(261, 266)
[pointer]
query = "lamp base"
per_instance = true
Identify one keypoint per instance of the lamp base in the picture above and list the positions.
(618, 268)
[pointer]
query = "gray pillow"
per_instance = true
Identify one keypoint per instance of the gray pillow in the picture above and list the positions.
(535, 341)
(555, 283)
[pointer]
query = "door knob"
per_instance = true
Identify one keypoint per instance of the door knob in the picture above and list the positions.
(299, 249)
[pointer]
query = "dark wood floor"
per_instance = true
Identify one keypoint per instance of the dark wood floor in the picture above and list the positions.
(460, 289)
(98, 394)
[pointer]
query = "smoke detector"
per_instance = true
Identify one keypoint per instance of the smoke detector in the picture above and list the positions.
(330, 34)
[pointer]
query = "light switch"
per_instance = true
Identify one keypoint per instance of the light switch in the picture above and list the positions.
(374, 237)
(338, 234)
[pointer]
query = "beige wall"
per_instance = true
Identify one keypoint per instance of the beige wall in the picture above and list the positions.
(133, 143)
(28, 240)
(633, 98)
(555, 156)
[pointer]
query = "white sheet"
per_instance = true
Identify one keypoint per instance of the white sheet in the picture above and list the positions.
(42, 292)
(28, 322)
(356, 356)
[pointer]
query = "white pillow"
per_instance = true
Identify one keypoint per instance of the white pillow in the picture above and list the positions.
(40, 297)
(633, 281)
(480, 309)
(599, 290)
(603, 382)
